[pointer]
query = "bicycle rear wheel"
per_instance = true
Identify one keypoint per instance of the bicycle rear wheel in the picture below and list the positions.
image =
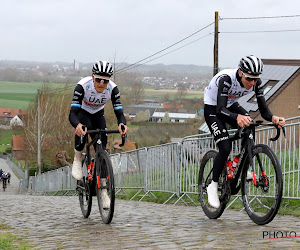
(4, 184)
(105, 187)
(263, 200)
(205, 178)
(84, 191)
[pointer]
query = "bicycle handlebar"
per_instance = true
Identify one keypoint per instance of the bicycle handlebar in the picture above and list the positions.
(105, 131)
(239, 132)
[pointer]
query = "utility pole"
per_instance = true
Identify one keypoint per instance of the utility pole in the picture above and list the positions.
(39, 132)
(216, 45)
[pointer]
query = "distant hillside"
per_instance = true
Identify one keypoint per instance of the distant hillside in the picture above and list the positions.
(169, 68)
(119, 66)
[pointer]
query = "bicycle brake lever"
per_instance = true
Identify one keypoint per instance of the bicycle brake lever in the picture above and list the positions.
(283, 131)
(241, 131)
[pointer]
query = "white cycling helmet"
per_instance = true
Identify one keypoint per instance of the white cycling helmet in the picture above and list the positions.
(103, 68)
(251, 65)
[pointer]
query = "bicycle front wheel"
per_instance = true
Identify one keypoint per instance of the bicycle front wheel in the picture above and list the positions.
(205, 178)
(84, 191)
(262, 200)
(105, 187)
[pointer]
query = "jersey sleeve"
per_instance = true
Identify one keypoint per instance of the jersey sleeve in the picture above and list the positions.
(76, 105)
(117, 105)
(224, 84)
(261, 101)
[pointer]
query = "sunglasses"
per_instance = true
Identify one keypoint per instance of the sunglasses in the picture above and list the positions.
(250, 79)
(98, 80)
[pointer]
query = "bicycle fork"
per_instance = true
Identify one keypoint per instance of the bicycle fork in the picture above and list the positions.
(250, 148)
(264, 177)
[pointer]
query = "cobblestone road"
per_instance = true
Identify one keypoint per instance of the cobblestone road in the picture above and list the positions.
(50, 222)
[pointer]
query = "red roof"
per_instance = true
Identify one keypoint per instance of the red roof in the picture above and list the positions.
(10, 113)
(17, 142)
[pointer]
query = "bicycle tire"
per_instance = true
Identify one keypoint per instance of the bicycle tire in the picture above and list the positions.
(85, 195)
(4, 184)
(205, 178)
(263, 201)
(104, 170)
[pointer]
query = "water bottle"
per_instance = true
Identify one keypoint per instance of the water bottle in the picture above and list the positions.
(90, 171)
(230, 170)
(235, 163)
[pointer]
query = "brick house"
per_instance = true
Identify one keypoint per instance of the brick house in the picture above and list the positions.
(7, 114)
(18, 147)
(281, 79)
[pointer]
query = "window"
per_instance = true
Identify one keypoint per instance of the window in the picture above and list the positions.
(268, 86)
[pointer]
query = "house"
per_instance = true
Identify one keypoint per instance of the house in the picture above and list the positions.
(281, 79)
(7, 114)
(16, 121)
(18, 147)
(175, 115)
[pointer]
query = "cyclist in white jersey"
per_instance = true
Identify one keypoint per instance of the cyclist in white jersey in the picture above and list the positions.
(221, 106)
(87, 108)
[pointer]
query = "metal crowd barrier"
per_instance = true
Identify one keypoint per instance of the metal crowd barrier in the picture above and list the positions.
(17, 169)
(173, 168)
(55, 181)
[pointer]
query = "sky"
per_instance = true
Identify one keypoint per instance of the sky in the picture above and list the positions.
(132, 30)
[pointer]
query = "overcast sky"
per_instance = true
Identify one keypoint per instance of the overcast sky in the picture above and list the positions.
(131, 30)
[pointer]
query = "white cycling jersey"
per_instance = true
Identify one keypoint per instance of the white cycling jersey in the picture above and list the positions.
(92, 101)
(234, 88)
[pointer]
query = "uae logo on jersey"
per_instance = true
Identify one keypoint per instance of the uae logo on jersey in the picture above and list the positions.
(88, 87)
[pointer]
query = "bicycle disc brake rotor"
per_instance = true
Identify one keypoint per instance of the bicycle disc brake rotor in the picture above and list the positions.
(264, 183)
(225, 191)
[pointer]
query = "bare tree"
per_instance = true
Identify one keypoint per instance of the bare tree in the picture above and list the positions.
(181, 93)
(56, 130)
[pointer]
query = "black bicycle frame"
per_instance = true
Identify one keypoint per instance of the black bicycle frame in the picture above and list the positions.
(247, 134)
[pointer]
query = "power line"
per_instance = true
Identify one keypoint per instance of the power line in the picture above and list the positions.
(122, 71)
(263, 17)
(165, 48)
(259, 31)
(164, 55)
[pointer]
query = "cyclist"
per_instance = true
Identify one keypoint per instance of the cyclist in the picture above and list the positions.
(87, 108)
(221, 106)
(8, 177)
(4, 179)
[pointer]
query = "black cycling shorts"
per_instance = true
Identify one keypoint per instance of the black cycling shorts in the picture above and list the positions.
(217, 124)
(92, 121)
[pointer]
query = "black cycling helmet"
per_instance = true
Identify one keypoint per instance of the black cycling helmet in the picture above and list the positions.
(103, 68)
(251, 65)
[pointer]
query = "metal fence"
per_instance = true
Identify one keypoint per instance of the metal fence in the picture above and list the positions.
(16, 168)
(174, 167)
(55, 181)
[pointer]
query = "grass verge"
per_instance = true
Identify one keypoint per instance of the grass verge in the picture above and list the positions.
(287, 207)
(10, 241)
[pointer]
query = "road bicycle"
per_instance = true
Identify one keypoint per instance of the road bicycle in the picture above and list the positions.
(261, 193)
(98, 177)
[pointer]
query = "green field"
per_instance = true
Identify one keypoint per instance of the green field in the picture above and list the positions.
(17, 95)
